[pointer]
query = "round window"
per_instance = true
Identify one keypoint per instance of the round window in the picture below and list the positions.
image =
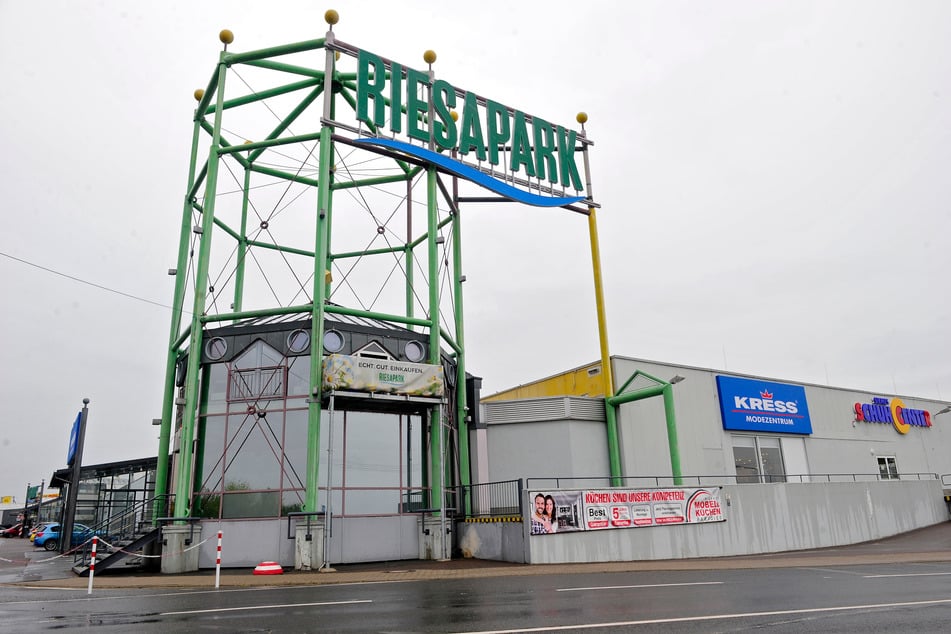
(414, 351)
(216, 348)
(298, 341)
(333, 341)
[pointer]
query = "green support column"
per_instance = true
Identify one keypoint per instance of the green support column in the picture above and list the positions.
(436, 431)
(183, 484)
(178, 300)
(672, 443)
(321, 263)
(461, 404)
(242, 246)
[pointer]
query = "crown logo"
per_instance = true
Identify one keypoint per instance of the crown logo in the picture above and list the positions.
(766, 394)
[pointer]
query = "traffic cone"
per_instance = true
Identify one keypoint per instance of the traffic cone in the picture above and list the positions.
(268, 568)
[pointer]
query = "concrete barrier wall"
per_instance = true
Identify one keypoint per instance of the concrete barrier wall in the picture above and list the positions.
(498, 541)
(760, 519)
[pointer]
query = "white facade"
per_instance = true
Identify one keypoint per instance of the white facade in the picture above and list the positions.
(557, 437)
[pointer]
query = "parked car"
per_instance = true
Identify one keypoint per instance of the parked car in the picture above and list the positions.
(14, 531)
(48, 535)
(37, 528)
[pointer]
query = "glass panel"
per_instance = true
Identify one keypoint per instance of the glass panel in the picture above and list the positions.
(772, 464)
(893, 468)
(253, 454)
(373, 451)
(747, 468)
(295, 449)
(298, 376)
(256, 504)
(372, 502)
(212, 444)
(258, 355)
(292, 502)
(216, 398)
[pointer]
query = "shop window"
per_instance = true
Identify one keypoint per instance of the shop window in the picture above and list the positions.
(887, 468)
(758, 459)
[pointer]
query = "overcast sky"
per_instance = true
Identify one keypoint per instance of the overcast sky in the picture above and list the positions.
(773, 179)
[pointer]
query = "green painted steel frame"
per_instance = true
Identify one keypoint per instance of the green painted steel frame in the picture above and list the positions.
(660, 388)
(185, 339)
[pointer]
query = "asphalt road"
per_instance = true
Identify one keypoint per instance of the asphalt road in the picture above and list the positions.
(873, 598)
(898, 584)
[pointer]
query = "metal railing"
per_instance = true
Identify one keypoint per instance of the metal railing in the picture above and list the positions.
(491, 499)
(122, 526)
(604, 482)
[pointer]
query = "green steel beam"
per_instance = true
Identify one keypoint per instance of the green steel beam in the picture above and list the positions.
(343, 310)
(282, 249)
(175, 338)
(438, 477)
(366, 182)
(285, 175)
(185, 463)
(263, 312)
(357, 254)
(274, 51)
(289, 119)
(255, 145)
(462, 407)
(267, 94)
(224, 227)
(242, 245)
(321, 249)
(287, 68)
(664, 389)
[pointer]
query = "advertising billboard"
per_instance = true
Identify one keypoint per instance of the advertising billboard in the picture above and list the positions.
(757, 405)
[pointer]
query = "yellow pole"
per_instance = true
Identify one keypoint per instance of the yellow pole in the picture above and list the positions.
(599, 303)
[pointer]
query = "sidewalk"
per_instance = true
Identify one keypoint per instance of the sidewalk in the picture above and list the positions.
(927, 545)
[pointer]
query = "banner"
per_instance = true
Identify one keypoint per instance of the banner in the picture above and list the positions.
(31, 493)
(566, 511)
(344, 372)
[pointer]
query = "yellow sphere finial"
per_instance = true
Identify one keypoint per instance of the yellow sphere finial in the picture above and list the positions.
(582, 118)
(454, 115)
(199, 93)
(226, 37)
(331, 17)
(429, 56)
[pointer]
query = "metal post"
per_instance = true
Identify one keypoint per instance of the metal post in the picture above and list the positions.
(183, 493)
(672, 443)
(328, 507)
(69, 516)
(39, 500)
(178, 300)
(442, 490)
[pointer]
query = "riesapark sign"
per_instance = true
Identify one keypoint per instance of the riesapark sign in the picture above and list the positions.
(511, 142)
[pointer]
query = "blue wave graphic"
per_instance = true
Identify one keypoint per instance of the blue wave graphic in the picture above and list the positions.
(470, 173)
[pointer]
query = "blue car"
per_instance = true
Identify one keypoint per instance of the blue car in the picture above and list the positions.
(48, 536)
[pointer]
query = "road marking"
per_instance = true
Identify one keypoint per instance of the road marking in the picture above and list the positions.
(711, 617)
(910, 574)
(652, 585)
(265, 607)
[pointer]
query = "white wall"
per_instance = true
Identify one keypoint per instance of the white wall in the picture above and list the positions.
(761, 518)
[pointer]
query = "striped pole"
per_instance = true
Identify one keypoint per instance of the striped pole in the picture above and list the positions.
(218, 564)
(92, 563)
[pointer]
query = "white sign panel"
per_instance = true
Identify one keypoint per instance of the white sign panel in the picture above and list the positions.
(360, 374)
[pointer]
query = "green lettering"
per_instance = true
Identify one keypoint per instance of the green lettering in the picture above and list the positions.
(470, 137)
(444, 128)
(396, 97)
(499, 129)
(367, 89)
(544, 150)
(416, 106)
(566, 158)
(521, 145)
